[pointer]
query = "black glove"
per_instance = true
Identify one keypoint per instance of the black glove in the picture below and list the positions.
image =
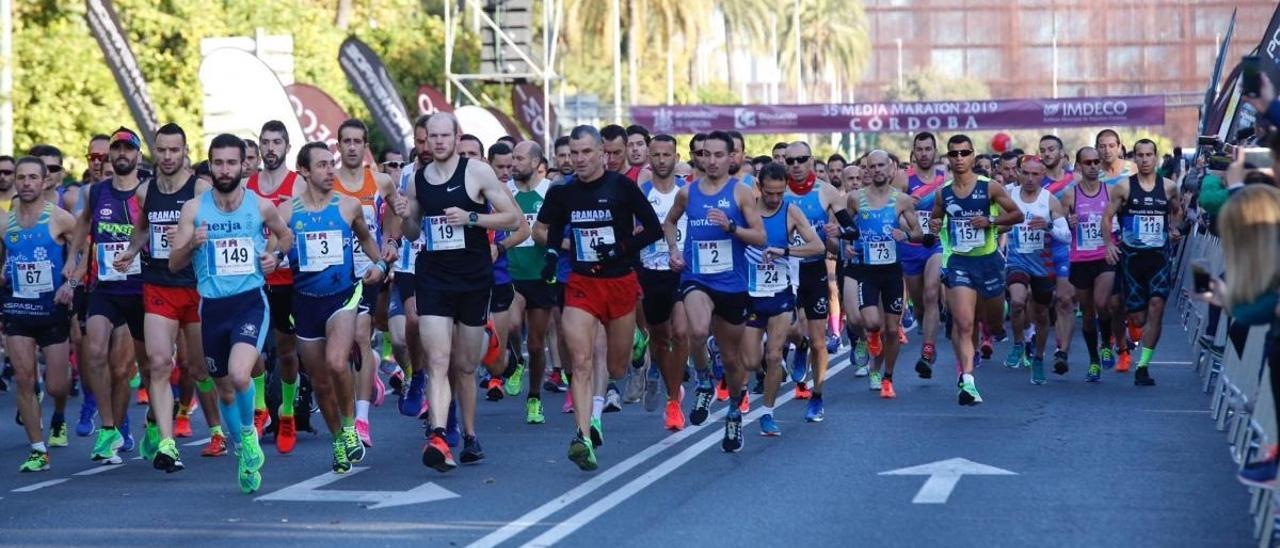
(609, 253)
(929, 240)
(550, 266)
(849, 233)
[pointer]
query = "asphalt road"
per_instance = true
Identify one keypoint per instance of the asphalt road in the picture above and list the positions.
(1072, 464)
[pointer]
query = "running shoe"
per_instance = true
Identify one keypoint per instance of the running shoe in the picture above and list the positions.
(286, 434)
(1124, 362)
(135, 382)
(516, 383)
(902, 337)
(674, 416)
(37, 461)
(106, 446)
(1016, 357)
(261, 419)
(1060, 362)
(1037, 371)
(58, 434)
(702, 397)
(722, 390)
(1094, 374)
(250, 451)
(127, 442)
(924, 366)
(597, 432)
(436, 454)
(568, 403)
(388, 367)
(802, 391)
(582, 453)
(862, 371)
(362, 432)
(495, 391)
(412, 401)
(636, 384)
(340, 463)
(395, 380)
(471, 450)
(886, 390)
(144, 398)
(768, 427)
(861, 356)
(800, 361)
(988, 346)
(379, 391)
(555, 382)
(182, 427)
(732, 442)
(1142, 377)
(150, 442)
(355, 449)
(969, 394)
(1108, 356)
(217, 446)
(533, 411)
(612, 399)
(908, 318)
(875, 381)
(1261, 474)
(88, 412)
(815, 413)
(833, 342)
(744, 404)
(652, 384)
(166, 457)
(874, 344)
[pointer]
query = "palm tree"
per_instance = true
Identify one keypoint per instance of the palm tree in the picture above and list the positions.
(743, 23)
(833, 33)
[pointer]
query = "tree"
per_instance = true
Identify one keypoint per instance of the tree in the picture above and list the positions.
(833, 35)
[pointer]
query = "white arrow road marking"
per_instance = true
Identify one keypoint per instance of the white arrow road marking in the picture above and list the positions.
(943, 477)
(309, 491)
(98, 469)
(41, 485)
(196, 442)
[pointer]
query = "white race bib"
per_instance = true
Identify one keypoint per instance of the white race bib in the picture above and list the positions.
(233, 256)
(965, 236)
(160, 235)
(1029, 240)
(765, 280)
(107, 257)
(370, 217)
(585, 241)
(1150, 229)
(1089, 235)
(529, 218)
(441, 236)
(882, 252)
(408, 255)
(923, 216)
(32, 278)
(713, 257)
(320, 250)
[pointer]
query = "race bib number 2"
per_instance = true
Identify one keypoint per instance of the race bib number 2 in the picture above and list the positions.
(713, 257)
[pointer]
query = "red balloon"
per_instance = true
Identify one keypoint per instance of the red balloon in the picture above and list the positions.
(1001, 142)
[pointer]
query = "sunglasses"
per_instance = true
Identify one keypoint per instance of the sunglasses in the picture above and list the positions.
(798, 160)
(96, 157)
(960, 153)
(1093, 162)
(393, 165)
(54, 168)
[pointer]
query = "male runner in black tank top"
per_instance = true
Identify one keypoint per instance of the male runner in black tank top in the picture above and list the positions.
(454, 273)
(170, 301)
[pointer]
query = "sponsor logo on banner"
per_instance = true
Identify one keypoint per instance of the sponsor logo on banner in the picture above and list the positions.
(369, 77)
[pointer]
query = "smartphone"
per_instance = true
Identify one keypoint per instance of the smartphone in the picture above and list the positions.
(1199, 277)
(1250, 76)
(1207, 141)
(1219, 162)
(1258, 157)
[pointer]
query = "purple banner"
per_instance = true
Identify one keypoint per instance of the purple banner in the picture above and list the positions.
(948, 116)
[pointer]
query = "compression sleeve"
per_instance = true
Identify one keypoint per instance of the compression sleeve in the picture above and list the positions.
(1061, 231)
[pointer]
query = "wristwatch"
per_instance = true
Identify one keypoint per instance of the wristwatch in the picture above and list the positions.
(733, 227)
(473, 218)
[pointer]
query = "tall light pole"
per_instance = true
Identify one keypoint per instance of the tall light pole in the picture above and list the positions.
(795, 24)
(617, 61)
(6, 76)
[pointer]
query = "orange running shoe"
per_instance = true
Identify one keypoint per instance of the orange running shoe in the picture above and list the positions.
(182, 426)
(886, 389)
(286, 435)
(1123, 362)
(217, 447)
(874, 343)
(261, 418)
(744, 406)
(492, 352)
(902, 336)
(1135, 334)
(802, 391)
(495, 391)
(722, 391)
(675, 417)
(143, 397)
(436, 454)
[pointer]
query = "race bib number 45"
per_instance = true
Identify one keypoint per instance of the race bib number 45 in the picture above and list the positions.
(585, 241)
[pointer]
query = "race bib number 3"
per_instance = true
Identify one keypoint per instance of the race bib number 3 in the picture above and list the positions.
(965, 237)
(233, 257)
(441, 236)
(160, 241)
(882, 252)
(585, 241)
(32, 278)
(320, 250)
(107, 257)
(767, 279)
(713, 257)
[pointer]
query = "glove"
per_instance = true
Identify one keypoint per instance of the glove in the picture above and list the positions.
(550, 266)
(929, 240)
(609, 253)
(850, 233)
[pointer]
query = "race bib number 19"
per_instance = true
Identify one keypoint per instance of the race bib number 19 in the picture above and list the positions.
(441, 236)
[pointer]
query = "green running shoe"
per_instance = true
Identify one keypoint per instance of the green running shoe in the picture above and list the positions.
(355, 449)
(1037, 371)
(875, 380)
(340, 463)
(639, 345)
(969, 394)
(106, 446)
(533, 411)
(37, 461)
(582, 454)
(58, 435)
(167, 458)
(150, 442)
(1094, 374)
(860, 355)
(516, 382)
(250, 451)
(250, 480)
(597, 433)
(1016, 357)
(136, 381)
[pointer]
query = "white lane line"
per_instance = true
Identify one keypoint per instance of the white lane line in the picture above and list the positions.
(655, 473)
(535, 516)
(41, 485)
(98, 470)
(196, 443)
(1171, 363)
